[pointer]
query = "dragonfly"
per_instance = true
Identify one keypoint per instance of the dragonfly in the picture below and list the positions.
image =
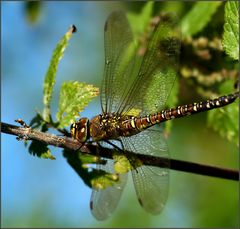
(137, 81)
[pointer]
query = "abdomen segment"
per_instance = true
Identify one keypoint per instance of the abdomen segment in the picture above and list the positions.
(137, 124)
(195, 108)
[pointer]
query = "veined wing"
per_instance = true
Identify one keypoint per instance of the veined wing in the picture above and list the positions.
(151, 182)
(104, 201)
(119, 49)
(154, 80)
(137, 80)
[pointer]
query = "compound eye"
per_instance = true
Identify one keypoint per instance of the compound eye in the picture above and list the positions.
(79, 130)
(74, 126)
(73, 130)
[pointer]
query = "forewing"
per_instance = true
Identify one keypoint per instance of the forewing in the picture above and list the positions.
(151, 182)
(119, 61)
(104, 201)
(154, 80)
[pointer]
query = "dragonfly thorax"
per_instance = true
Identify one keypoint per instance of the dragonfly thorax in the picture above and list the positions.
(105, 126)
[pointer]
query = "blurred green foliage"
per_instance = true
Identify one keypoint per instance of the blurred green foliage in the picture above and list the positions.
(140, 21)
(198, 17)
(33, 11)
(214, 71)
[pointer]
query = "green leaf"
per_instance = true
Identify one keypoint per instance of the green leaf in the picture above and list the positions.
(88, 159)
(41, 150)
(74, 97)
(139, 22)
(225, 120)
(122, 162)
(49, 80)
(231, 29)
(97, 179)
(198, 17)
(37, 121)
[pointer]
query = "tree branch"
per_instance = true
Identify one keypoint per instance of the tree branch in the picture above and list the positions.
(71, 144)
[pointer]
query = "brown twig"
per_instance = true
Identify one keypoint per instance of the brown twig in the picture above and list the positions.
(71, 144)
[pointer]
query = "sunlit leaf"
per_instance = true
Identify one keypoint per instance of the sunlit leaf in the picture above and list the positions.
(39, 149)
(225, 120)
(49, 80)
(88, 159)
(231, 29)
(198, 17)
(102, 180)
(74, 97)
(122, 164)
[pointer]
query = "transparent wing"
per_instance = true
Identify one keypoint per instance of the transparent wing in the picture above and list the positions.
(151, 183)
(139, 78)
(119, 49)
(104, 201)
(157, 72)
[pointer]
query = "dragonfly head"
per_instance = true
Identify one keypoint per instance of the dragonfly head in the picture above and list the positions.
(80, 130)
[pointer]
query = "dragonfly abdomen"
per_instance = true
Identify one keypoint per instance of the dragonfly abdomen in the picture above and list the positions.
(195, 108)
(134, 125)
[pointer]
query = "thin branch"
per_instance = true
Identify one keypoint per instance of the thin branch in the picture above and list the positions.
(72, 144)
(49, 139)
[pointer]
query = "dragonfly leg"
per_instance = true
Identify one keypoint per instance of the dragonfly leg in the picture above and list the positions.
(115, 146)
(100, 160)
